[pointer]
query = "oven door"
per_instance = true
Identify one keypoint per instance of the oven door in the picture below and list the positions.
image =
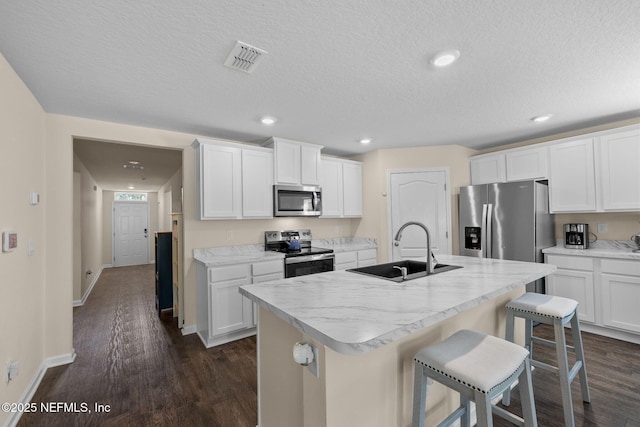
(309, 264)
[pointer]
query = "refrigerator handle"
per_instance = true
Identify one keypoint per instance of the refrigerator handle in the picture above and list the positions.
(483, 231)
(489, 236)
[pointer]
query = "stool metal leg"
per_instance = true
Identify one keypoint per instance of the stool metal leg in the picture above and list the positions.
(419, 395)
(577, 345)
(563, 371)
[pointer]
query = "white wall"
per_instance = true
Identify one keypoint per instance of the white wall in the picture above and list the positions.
(22, 286)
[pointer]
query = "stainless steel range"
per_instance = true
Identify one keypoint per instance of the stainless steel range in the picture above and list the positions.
(300, 257)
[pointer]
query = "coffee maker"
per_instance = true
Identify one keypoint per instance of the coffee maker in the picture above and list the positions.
(576, 236)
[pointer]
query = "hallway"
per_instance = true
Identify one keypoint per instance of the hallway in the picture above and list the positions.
(143, 368)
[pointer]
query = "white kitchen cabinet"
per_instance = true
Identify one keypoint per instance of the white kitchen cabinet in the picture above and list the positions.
(572, 185)
(346, 260)
(487, 168)
(620, 283)
(295, 163)
(341, 182)
(233, 181)
(367, 257)
(218, 180)
(355, 259)
(257, 183)
(573, 279)
(527, 163)
(619, 171)
(222, 313)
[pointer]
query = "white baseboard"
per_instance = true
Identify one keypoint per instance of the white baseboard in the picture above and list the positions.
(188, 330)
(78, 303)
(50, 362)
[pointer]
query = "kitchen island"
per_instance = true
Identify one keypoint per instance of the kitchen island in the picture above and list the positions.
(366, 331)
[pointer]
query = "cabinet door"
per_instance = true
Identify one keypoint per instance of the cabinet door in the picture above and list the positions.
(229, 310)
(620, 170)
(572, 177)
(620, 296)
(487, 169)
(287, 162)
(331, 184)
(257, 184)
(577, 285)
(309, 165)
(352, 189)
(367, 257)
(528, 163)
(220, 191)
(345, 260)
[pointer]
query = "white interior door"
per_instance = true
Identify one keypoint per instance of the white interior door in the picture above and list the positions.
(422, 196)
(130, 233)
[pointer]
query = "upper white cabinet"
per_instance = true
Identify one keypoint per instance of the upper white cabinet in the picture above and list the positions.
(295, 163)
(529, 163)
(233, 180)
(572, 177)
(218, 180)
(257, 183)
(341, 182)
(488, 168)
(619, 171)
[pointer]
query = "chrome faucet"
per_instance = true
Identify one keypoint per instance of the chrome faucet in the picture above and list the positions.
(396, 242)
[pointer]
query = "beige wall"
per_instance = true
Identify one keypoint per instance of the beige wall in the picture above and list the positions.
(22, 287)
(375, 167)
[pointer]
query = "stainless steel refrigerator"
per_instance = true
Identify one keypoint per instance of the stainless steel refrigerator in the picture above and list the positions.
(507, 221)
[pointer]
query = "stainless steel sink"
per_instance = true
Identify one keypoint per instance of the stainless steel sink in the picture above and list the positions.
(415, 269)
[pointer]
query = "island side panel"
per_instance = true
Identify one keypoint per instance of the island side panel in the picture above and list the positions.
(280, 397)
(376, 388)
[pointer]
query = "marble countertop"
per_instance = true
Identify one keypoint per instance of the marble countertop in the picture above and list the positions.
(599, 249)
(353, 313)
(230, 255)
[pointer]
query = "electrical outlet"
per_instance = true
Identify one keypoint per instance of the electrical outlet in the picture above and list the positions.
(602, 228)
(13, 369)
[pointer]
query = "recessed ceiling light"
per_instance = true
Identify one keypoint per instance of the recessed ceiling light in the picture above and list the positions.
(268, 120)
(365, 141)
(444, 58)
(133, 162)
(540, 119)
(131, 187)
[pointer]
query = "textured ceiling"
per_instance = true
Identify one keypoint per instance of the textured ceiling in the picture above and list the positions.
(335, 71)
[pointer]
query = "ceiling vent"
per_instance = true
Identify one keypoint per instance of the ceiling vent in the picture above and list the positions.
(244, 57)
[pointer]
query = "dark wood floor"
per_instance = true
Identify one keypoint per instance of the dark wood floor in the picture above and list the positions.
(151, 375)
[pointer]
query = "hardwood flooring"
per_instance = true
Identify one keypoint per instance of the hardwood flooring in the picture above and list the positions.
(152, 375)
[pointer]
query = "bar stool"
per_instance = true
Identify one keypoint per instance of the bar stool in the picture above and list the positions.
(556, 311)
(479, 367)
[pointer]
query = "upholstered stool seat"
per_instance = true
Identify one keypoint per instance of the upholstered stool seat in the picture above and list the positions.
(556, 311)
(479, 367)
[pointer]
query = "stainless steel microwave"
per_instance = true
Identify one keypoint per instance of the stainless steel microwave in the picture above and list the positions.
(297, 200)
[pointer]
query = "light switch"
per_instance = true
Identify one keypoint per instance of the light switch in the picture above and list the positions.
(34, 198)
(31, 248)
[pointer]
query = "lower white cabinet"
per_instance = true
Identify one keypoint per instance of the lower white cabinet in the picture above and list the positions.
(574, 279)
(607, 291)
(620, 282)
(355, 259)
(223, 314)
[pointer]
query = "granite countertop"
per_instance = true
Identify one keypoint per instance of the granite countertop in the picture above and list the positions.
(346, 244)
(599, 249)
(231, 255)
(353, 313)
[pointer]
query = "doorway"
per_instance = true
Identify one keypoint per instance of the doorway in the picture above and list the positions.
(420, 195)
(130, 233)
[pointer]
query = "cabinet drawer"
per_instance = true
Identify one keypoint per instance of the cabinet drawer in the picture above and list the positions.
(228, 273)
(268, 267)
(571, 262)
(267, 277)
(615, 266)
(346, 257)
(345, 265)
(367, 254)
